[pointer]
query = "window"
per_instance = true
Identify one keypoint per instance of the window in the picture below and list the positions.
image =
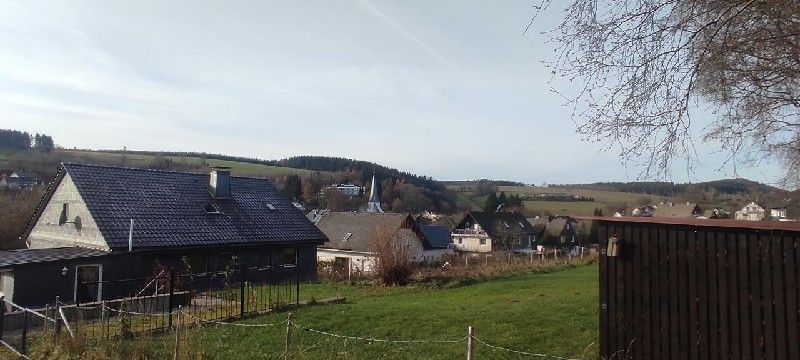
(348, 236)
(483, 241)
(88, 280)
(271, 207)
(460, 241)
(63, 218)
(288, 257)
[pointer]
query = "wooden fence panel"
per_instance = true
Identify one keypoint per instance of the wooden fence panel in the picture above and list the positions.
(699, 292)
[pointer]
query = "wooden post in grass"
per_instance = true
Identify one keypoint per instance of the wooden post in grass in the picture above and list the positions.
(177, 351)
(288, 337)
(470, 346)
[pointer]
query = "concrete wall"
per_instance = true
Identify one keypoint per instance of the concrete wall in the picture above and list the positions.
(48, 233)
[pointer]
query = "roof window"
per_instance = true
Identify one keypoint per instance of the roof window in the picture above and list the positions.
(348, 236)
(211, 208)
(271, 207)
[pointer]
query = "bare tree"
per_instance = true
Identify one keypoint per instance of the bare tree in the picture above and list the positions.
(394, 260)
(645, 66)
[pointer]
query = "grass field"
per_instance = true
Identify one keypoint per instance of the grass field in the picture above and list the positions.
(603, 200)
(553, 313)
(48, 162)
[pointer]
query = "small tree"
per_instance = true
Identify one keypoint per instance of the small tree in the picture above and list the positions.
(394, 261)
(491, 202)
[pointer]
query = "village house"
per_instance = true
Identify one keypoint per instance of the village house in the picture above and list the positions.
(686, 210)
(751, 212)
(778, 213)
(98, 223)
(350, 235)
(483, 232)
(644, 211)
(350, 190)
(554, 231)
(18, 180)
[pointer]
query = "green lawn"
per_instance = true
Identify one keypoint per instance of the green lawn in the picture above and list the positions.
(554, 313)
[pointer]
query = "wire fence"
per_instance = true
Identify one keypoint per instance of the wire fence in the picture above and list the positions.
(20, 326)
(23, 326)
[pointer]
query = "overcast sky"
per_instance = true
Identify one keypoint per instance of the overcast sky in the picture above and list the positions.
(449, 89)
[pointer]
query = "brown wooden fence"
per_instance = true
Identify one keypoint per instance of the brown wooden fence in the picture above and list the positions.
(699, 289)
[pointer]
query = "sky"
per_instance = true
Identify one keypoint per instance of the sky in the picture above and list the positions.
(448, 89)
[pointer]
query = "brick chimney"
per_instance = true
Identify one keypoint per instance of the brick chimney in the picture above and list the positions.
(220, 182)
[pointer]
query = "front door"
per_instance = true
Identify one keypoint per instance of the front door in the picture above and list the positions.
(87, 283)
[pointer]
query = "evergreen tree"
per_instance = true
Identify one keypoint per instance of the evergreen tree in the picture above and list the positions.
(491, 202)
(293, 187)
(502, 199)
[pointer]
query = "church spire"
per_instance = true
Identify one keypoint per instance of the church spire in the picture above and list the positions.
(374, 204)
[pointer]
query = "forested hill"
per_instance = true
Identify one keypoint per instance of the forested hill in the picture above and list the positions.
(724, 186)
(366, 168)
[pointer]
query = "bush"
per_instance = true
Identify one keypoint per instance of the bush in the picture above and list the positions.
(394, 261)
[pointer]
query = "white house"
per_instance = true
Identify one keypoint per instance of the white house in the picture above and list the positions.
(752, 212)
(350, 233)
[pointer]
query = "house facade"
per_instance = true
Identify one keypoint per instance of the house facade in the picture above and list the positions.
(350, 234)
(483, 232)
(751, 212)
(686, 210)
(123, 222)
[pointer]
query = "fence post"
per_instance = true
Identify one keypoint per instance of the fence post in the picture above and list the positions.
(241, 290)
(177, 352)
(57, 317)
(297, 286)
(470, 346)
(288, 337)
(24, 340)
(171, 293)
(2, 315)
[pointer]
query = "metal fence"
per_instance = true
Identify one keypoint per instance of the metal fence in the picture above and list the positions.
(20, 326)
(148, 305)
(142, 306)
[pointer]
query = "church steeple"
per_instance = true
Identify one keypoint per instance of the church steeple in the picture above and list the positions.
(374, 204)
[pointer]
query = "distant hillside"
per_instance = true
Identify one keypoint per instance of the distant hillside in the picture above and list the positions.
(400, 191)
(724, 186)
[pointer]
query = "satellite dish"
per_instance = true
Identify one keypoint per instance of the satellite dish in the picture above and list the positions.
(78, 223)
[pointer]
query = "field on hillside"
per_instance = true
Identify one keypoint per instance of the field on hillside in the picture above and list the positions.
(47, 163)
(605, 200)
(546, 313)
(602, 199)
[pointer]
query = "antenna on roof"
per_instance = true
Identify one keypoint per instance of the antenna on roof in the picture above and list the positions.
(130, 237)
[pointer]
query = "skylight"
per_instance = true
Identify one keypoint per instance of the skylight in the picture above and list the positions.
(348, 236)
(211, 208)
(271, 207)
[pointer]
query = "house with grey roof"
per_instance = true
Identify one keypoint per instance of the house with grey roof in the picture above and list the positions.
(350, 236)
(98, 223)
(486, 231)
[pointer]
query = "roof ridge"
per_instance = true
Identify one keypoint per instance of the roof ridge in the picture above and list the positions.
(155, 170)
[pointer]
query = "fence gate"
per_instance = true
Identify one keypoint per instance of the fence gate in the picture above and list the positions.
(689, 291)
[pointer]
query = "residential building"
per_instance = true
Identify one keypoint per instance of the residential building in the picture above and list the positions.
(350, 190)
(350, 235)
(644, 211)
(483, 231)
(685, 210)
(777, 213)
(556, 231)
(18, 180)
(103, 222)
(751, 211)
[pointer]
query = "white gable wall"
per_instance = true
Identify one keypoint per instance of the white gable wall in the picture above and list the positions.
(48, 233)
